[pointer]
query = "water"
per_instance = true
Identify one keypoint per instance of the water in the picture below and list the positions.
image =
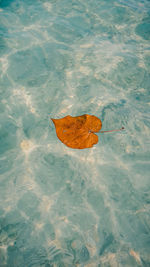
(65, 207)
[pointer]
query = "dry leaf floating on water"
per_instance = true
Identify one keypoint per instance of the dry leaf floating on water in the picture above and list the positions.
(79, 132)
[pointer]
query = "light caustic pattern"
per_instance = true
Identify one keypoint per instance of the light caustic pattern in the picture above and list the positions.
(60, 206)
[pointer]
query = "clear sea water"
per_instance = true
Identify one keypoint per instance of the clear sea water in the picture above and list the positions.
(59, 206)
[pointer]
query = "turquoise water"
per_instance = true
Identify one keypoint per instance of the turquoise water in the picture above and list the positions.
(60, 206)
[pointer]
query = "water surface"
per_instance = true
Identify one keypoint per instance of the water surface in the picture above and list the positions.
(59, 206)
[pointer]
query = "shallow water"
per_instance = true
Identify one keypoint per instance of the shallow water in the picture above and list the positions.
(65, 207)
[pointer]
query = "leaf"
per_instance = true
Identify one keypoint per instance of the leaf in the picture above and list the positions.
(78, 132)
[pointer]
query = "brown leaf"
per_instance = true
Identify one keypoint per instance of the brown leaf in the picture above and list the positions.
(78, 132)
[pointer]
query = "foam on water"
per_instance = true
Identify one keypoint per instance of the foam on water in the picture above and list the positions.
(59, 206)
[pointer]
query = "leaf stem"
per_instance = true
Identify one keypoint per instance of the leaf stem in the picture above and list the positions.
(112, 130)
